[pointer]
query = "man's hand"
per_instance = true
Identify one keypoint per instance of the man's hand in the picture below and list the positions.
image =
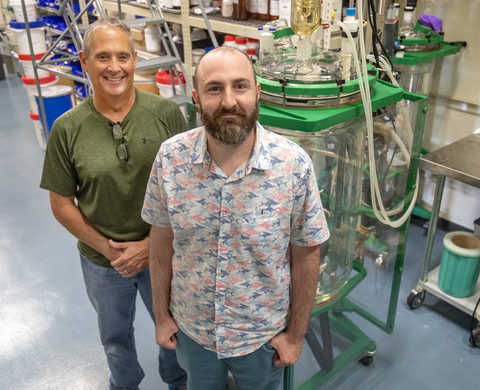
(111, 253)
(133, 257)
(288, 350)
(165, 331)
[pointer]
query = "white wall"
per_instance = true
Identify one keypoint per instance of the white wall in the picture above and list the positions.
(457, 78)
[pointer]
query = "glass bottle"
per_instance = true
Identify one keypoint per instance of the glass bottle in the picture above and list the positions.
(408, 23)
(240, 10)
(305, 16)
(262, 9)
(252, 8)
(274, 9)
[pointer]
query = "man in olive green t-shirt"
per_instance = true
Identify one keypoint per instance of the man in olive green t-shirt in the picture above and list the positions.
(97, 164)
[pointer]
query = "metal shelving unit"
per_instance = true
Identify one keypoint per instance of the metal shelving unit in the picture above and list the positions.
(186, 20)
(4, 15)
(73, 31)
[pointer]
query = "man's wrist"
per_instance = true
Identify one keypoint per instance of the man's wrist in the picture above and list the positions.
(162, 316)
(104, 247)
(294, 337)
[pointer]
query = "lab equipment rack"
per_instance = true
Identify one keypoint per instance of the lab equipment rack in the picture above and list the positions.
(458, 161)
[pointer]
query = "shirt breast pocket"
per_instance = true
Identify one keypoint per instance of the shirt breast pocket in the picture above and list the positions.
(258, 226)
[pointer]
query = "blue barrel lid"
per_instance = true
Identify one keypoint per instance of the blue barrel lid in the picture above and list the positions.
(21, 26)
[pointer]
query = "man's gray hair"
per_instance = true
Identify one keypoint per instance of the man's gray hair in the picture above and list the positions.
(101, 23)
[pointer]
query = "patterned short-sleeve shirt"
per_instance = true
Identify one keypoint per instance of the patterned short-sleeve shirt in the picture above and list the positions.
(230, 268)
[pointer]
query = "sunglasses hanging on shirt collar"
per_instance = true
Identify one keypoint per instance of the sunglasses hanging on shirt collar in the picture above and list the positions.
(122, 151)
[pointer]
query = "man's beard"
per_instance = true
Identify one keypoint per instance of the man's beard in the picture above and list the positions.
(230, 131)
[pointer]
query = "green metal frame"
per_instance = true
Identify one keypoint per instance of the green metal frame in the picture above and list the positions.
(307, 120)
(312, 120)
(429, 38)
(360, 342)
(389, 324)
(306, 89)
(417, 58)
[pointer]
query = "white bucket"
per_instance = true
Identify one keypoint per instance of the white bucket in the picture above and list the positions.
(165, 87)
(38, 129)
(26, 61)
(37, 32)
(31, 88)
(30, 6)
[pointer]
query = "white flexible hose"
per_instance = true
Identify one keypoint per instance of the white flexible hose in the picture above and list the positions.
(385, 66)
(380, 213)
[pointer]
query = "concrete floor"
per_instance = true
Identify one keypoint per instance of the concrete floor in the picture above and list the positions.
(48, 337)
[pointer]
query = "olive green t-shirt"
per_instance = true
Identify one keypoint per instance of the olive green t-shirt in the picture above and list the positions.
(81, 160)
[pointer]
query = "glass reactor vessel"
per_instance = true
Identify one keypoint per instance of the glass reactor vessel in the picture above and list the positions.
(337, 150)
(337, 155)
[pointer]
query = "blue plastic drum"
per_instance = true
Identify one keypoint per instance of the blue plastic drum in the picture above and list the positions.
(57, 99)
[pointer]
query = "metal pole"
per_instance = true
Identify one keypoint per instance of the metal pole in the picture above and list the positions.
(188, 87)
(37, 82)
(208, 25)
(72, 26)
(119, 4)
(432, 228)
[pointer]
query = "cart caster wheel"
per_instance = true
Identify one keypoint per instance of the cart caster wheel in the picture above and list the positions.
(425, 227)
(415, 300)
(366, 360)
(475, 338)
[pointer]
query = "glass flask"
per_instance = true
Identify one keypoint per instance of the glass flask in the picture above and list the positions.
(416, 79)
(337, 155)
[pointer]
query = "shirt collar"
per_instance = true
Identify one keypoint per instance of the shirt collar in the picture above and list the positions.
(260, 158)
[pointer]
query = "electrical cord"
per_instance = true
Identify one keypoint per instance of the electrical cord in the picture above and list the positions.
(372, 16)
(372, 22)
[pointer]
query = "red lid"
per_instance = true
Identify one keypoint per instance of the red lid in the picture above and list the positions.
(28, 57)
(240, 40)
(34, 116)
(251, 50)
(229, 38)
(163, 77)
(43, 80)
(252, 40)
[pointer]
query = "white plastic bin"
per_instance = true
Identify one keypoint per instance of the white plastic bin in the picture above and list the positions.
(26, 61)
(37, 30)
(31, 88)
(38, 129)
(29, 5)
(165, 87)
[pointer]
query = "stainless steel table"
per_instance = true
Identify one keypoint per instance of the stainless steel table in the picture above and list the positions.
(460, 161)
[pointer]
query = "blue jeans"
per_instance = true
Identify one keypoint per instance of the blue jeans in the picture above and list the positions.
(254, 371)
(114, 298)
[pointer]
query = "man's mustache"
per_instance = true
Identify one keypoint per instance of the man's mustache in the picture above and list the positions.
(233, 110)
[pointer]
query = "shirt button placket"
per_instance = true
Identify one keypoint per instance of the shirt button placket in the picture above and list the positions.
(222, 263)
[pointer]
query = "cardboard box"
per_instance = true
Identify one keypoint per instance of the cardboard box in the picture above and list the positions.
(138, 38)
